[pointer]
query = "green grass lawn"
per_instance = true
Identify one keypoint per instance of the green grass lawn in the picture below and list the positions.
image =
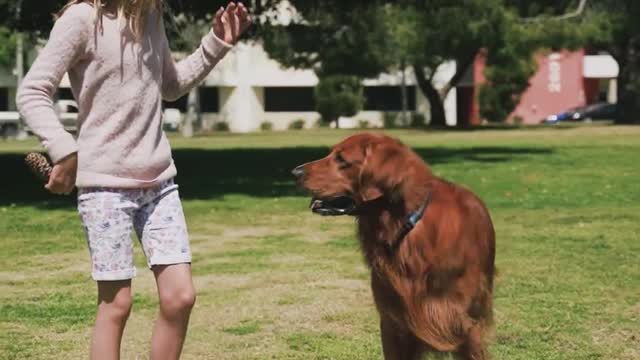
(276, 282)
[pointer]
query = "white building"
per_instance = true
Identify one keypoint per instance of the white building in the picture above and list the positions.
(7, 90)
(247, 89)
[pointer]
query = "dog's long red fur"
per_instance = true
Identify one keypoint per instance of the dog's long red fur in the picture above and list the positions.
(434, 293)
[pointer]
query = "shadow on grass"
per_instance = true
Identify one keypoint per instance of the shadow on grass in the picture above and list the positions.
(210, 174)
(569, 125)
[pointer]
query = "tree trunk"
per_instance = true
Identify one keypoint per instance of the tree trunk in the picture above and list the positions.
(192, 113)
(22, 133)
(438, 115)
(628, 110)
(436, 103)
(405, 105)
(461, 68)
(435, 97)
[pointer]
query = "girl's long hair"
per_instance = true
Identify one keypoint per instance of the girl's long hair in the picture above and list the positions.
(134, 12)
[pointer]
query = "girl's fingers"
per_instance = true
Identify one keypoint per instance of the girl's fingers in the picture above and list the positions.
(226, 25)
(245, 19)
(233, 21)
(242, 11)
(51, 183)
(54, 187)
(236, 27)
(247, 22)
(219, 13)
(217, 23)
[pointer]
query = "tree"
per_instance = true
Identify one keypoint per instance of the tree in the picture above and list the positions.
(339, 95)
(366, 37)
(340, 46)
(370, 37)
(7, 48)
(608, 26)
(186, 32)
(36, 14)
(442, 31)
(620, 37)
(184, 27)
(439, 30)
(507, 73)
(427, 33)
(532, 26)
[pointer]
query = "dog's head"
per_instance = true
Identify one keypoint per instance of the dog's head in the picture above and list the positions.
(362, 168)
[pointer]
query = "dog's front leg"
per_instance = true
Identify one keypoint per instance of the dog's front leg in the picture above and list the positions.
(398, 344)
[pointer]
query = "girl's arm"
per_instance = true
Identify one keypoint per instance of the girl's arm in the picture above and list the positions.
(67, 43)
(179, 78)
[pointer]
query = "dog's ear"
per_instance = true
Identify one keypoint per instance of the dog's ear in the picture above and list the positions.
(382, 171)
(370, 192)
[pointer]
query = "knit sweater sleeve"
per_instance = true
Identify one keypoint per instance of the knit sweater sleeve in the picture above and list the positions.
(67, 43)
(179, 78)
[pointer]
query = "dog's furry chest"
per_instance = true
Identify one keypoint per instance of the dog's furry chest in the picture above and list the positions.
(376, 234)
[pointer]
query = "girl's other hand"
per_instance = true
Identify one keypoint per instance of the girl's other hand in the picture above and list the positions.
(231, 22)
(63, 176)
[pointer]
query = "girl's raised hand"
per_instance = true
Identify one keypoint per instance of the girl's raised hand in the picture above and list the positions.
(229, 23)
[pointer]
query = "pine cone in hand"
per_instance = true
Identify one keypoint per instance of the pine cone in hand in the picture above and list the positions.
(39, 165)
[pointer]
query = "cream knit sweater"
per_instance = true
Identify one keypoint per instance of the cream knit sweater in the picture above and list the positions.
(119, 83)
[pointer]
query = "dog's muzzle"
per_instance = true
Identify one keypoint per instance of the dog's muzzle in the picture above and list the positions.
(298, 172)
(327, 206)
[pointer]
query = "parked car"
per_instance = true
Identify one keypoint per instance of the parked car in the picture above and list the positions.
(171, 119)
(599, 111)
(562, 116)
(9, 123)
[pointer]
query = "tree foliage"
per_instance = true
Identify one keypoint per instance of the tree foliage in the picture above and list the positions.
(427, 33)
(621, 38)
(339, 95)
(7, 48)
(37, 16)
(366, 37)
(444, 31)
(509, 66)
(29, 15)
(338, 42)
(530, 27)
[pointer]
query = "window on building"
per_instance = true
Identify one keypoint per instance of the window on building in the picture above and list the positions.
(4, 99)
(289, 99)
(388, 98)
(64, 94)
(209, 102)
(180, 104)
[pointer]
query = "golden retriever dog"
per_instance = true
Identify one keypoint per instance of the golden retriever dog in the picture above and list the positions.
(429, 245)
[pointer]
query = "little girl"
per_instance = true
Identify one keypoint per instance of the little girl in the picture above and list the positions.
(120, 67)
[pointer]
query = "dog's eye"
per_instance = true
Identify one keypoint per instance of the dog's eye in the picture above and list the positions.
(341, 161)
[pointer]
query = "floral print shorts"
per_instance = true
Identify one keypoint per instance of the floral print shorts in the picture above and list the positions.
(110, 216)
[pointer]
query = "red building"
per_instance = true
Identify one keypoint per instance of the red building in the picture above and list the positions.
(563, 80)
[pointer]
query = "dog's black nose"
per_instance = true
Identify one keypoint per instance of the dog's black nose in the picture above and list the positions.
(298, 172)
